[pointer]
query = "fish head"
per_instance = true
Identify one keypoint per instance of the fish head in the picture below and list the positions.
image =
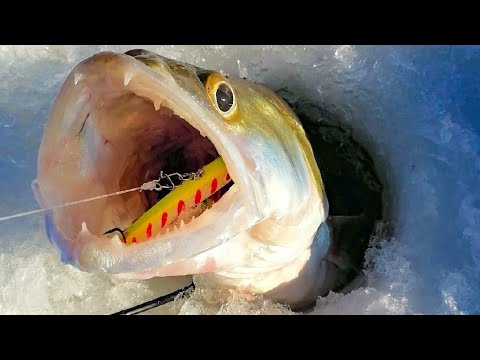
(120, 119)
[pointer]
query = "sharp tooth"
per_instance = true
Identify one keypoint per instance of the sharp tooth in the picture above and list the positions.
(78, 77)
(182, 224)
(127, 79)
(84, 227)
(116, 240)
(156, 104)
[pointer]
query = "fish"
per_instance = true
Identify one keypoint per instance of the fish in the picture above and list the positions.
(120, 119)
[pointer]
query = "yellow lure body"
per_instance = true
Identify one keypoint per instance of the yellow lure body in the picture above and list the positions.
(187, 195)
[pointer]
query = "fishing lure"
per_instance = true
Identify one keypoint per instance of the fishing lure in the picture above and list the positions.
(202, 187)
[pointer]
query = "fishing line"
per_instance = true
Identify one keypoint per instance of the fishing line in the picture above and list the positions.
(153, 185)
(68, 204)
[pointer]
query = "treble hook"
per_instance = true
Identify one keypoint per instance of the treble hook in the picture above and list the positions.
(192, 175)
(181, 177)
(116, 229)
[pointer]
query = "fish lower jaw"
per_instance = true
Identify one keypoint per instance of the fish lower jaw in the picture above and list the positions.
(177, 228)
(295, 277)
(286, 283)
(87, 245)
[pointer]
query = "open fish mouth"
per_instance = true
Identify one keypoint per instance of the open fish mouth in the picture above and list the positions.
(118, 123)
(162, 142)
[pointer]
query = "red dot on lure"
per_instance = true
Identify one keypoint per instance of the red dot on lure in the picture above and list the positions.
(149, 230)
(198, 196)
(164, 219)
(214, 186)
(180, 207)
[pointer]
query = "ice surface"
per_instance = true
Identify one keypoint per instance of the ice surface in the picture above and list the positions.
(415, 109)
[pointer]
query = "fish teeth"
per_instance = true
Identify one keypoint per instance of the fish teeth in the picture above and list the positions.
(127, 79)
(156, 104)
(182, 223)
(78, 77)
(116, 240)
(84, 227)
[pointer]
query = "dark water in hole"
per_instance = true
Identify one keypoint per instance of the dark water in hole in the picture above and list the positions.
(354, 190)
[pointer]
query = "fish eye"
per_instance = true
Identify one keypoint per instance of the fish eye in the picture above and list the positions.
(224, 98)
(220, 93)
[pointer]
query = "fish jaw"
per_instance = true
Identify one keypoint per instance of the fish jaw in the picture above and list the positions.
(295, 274)
(72, 167)
(268, 220)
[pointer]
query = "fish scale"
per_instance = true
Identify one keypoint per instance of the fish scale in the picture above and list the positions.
(187, 195)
